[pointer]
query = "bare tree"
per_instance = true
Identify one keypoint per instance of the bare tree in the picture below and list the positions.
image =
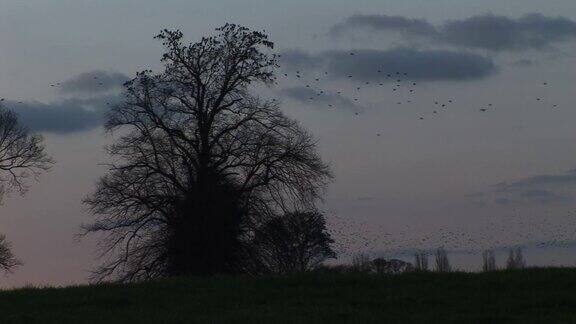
(421, 261)
(442, 262)
(489, 261)
(515, 259)
(361, 263)
(295, 242)
(201, 162)
(22, 156)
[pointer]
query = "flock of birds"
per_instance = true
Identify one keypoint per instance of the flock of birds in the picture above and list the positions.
(353, 236)
(400, 83)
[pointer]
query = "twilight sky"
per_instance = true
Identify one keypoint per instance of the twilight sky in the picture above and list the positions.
(406, 177)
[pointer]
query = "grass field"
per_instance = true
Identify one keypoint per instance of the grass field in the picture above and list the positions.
(533, 295)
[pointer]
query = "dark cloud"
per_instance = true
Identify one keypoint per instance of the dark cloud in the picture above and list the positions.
(314, 97)
(93, 82)
(500, 33)
(367, 198)
(523, 62)
(539, 189)
(67, 116)
(488, 31)
(296, 59)
(77, 113)
(502, 201)
(544, 196)
(568, 178)
(406, 26)
(418, 64)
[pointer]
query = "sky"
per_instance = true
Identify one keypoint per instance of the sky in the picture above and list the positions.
(492, 168)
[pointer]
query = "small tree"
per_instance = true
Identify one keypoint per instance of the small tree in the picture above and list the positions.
(489, 261)
(442, 262)
(7, 260)
(421, 261)
(295, 242)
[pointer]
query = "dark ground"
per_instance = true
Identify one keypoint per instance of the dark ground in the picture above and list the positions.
(525, 296)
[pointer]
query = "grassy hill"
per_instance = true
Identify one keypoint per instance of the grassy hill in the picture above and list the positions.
(533, 295)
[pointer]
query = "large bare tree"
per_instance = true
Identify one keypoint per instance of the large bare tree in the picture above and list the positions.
(200, 161)
(22, 156)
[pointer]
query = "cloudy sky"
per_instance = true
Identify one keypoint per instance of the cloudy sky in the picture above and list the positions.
(473, 148)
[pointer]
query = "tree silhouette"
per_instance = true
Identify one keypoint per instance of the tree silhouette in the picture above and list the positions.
(7, 259)
(421, 261)
(201, 162)
(488, 261)
(295, 242)
(442, 262)
(515, 259)
(22, 156)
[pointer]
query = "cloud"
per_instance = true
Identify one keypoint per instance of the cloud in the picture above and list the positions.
(568, 178)
(62, 117)
(406, 26)
(89, 96)
(544, 196)
(540, 189)
(93, 82)
(418, 64)
(502, 201)
(425, 65)
(314, 97)
(523, 63)
(487, 31)
(296, 59)
(500, 33)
